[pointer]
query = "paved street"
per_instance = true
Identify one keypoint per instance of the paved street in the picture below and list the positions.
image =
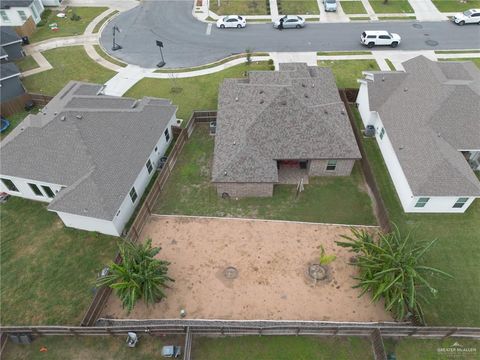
(188, 42)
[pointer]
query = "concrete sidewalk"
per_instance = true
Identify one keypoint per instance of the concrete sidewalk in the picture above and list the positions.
(125, 79)
(61, 42)
(426, 11)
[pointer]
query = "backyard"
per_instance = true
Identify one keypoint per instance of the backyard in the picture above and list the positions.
(391, 7)
(457, 251)
(16, 119)
(48, 270)
(348, 71)
(298, 7)
(341, 200)
(66, 26)
(239, 7)
(69, 63)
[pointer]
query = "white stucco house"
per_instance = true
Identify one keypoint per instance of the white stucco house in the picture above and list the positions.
(16, 12)
(427, 126)
(88, 155)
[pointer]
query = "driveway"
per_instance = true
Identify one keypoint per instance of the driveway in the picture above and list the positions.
(189, 42)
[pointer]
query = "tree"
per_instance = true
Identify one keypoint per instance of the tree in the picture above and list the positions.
(390, 268)
(139, 276)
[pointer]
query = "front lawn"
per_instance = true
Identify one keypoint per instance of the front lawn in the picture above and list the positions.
(66, 26)
(26, 63)
(188, 191)
(239, 7)
(455, 5)
(348, 71)
(197, 93)
(391, 7)
(298, 7)
(353, 7)
(281, 348)
(69, 63)
(457, 251)
(48, 270)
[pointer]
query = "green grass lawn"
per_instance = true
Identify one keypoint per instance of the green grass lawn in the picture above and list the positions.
(97, 27)
(69, 63)
(239, 7)
(298, 7)
(391, 7)
(457, 251)
(26, 63)
(348, 71)
(198, 93)
(66, 26)
(326, 199)
(427, 349)
(48, 270)
(16, 119)
(107, 57)
(91, 347)
(455, 5)
(281, 348)
(476, 61)
(353, 7)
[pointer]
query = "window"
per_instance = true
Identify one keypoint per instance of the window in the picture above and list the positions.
(156, 148)
(382, 132)
(4, 15)
(149, 166)
(35, 189)
(22, 14)
(9, 184)
(133, 195)
(421, 202)
(331, 165)
(371, 36)
(459, 203)
(385, 37)
(34, 11)
(48, 191)
(167, 135)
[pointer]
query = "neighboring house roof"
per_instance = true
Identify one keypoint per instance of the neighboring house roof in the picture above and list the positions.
(94, 145)
(295, 113)
(3, 53)
(5, 4)
(8, 70)
(8, 36)
(430, 113)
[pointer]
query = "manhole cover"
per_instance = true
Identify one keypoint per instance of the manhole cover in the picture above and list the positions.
(417, 26)
(230, 272)
(317, 272)
(431, 42)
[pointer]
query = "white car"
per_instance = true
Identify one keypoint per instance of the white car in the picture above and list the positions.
(330, 5)
(471, 16)
(372, 38)
(231, 21)
(290, 22)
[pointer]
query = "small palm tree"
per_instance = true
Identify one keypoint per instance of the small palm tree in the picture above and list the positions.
(390, 268)
(139, 276)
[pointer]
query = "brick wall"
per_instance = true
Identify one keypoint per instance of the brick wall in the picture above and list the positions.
(319, 168)
(245, 189)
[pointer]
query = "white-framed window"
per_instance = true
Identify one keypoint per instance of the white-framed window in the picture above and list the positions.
(331, 165)
(149, 166)
(167, 135)
(382, 133)
(22, 15)
(421, 202)
(34, 11)
(460, 202)
(35, 189)
(133, 194)
(10, 185)
(4, 15)
(48, 191)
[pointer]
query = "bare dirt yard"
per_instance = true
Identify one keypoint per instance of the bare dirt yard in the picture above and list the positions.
(271, 259)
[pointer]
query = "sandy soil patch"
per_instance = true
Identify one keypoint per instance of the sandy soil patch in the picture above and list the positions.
(271, 259)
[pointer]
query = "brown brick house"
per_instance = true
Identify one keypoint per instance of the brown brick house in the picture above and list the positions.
(280, 127)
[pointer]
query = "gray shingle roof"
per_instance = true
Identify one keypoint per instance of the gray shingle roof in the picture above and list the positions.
(97, 157)
(430, 113)
(5, 4)
(8, 69)
(8, 35)
(295, 113)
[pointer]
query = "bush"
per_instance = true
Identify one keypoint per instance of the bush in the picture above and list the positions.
(75, 17)
(45, 16)
(270, 62)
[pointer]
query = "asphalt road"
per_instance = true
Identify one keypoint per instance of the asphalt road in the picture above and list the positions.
(187, 42)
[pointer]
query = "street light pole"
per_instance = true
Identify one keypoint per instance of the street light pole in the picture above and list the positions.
(162, 61)
(115, 46)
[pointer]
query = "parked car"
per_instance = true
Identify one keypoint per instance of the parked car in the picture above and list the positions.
(471, 16)
(290, 22)
(171, 351)
(372, 38)
(231, 21)
(330, 5)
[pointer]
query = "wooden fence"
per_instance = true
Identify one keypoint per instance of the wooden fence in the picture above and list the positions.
(348, 96)
(101, 296)
(27, 29)
(18, 104)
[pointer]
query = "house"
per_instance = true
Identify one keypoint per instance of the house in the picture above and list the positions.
(17, 12)
(10, 84)
(88, 155)
(10, 44)
(280, 127)
(427, 125)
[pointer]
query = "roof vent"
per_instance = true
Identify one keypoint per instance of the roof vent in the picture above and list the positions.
(342, 112)
(405, 89)
(306, 95)
(401, 147)
(79, 117)
(134, 105)
(224, 173)
(325, 111)
(261, 91)
(313, 85)
(234, 143)
(383, 78)
(303, 85)
(55, 113)
(262, 101)
(236, 98)
(283, 102)
(63, 118)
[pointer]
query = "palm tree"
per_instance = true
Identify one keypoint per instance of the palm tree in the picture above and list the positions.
(390, 268)
(139, 276)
